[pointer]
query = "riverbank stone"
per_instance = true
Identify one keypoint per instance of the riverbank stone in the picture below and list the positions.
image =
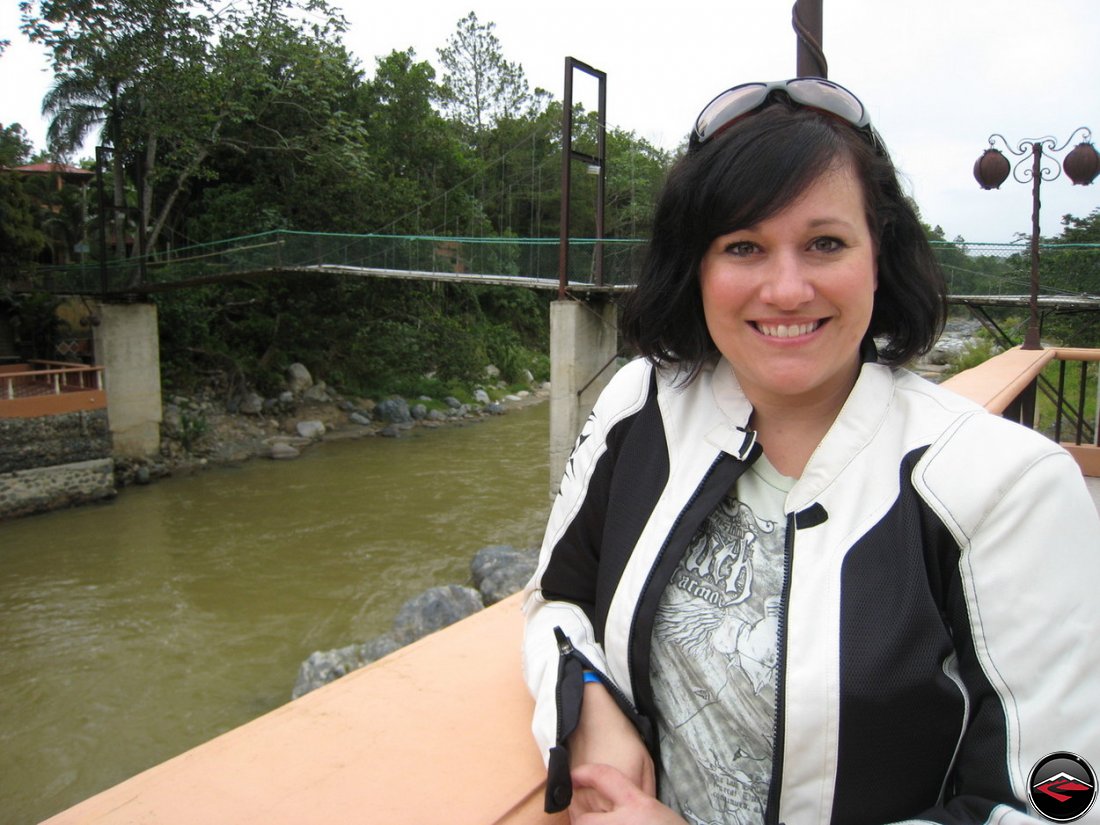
(251, 403)
(280, 450)
(324, 666)
(310, 429)
(433, 610)
(393, 411)
(500, 570)
(298, 379)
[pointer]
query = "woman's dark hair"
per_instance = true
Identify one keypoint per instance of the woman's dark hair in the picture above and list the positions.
(750, 173)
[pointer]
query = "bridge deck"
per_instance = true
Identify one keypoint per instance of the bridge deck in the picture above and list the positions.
(528, 282)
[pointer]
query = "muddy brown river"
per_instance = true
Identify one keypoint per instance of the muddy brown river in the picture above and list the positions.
(134, 630)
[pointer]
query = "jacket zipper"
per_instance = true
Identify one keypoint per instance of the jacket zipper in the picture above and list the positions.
(771, 816)
(565, 651)
(657, 562)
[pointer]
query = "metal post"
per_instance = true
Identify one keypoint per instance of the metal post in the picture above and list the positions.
(566, 158)
(1031, 338)
(569, 154)
(810, 57)
(601, 179)
(99, 153)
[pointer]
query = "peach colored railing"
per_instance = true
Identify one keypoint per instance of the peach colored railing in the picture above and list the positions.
(1008, 384)
(48, 378)
(50, 388)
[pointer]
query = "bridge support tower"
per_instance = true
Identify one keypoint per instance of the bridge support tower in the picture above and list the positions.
(583, 345)
(127, 345)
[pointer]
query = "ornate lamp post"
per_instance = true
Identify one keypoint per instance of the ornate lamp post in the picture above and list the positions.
(991, 170)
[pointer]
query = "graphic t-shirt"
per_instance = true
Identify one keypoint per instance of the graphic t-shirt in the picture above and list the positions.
(714, 657)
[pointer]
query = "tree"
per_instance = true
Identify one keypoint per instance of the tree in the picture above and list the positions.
(480, 86)
(415, 153)
(15, 147)
(109, 62)
(20, 238)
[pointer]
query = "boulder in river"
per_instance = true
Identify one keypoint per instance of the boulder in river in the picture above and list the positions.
(282, 450)
(324, 666)
(499, 571)
(433, 610)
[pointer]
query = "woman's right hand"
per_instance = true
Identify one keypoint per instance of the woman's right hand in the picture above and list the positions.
(605, 736)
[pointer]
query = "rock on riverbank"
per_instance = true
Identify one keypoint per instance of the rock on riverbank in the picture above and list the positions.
(496, 571)
(207, 429)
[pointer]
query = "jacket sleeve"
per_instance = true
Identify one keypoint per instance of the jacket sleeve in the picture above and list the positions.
(561, 594)
(1026, 620)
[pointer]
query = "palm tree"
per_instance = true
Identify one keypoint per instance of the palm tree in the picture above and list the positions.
(80, 101)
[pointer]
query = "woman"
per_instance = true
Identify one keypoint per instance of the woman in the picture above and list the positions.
(786, 580)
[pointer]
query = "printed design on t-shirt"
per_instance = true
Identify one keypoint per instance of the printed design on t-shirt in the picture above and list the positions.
(716, 630)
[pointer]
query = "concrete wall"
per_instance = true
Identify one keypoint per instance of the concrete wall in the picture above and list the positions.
(127, 346)
(50, 488)
(54, 461)
(45, 441)
(584, 339)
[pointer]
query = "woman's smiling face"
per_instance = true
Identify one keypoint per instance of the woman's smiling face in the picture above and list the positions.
(788, 300)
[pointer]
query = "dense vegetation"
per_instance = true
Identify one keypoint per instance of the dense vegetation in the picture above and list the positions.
(225, 122)
(1069, 264)
(220, 122)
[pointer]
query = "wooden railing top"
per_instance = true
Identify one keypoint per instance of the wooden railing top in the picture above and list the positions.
(996, 383)
(437, 732)
(52, 368)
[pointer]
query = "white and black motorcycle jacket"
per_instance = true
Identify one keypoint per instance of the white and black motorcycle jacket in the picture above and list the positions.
(940, 629)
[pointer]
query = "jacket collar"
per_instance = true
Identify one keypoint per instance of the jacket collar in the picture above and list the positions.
(860, 418)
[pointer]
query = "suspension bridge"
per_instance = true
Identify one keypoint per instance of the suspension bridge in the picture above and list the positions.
(979, 275)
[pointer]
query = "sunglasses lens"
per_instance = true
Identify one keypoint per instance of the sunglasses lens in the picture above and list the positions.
(727, 107)
(829, 97)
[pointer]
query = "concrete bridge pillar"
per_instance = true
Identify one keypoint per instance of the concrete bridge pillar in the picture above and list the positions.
(584, 339)
(128, 347)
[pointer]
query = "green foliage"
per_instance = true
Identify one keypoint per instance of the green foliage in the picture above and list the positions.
(36, 324)
(15, 147)
(230, 121)
(979, 350)
(20, 238)
(1045, 411)
(193, 426)
(480, 86)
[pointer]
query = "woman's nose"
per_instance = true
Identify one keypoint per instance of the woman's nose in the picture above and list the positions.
(787, 284)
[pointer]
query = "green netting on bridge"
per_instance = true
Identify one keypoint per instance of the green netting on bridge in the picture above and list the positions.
(279, 252)
(1005, 269)
(971, 269)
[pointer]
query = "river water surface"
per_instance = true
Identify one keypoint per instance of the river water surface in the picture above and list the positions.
(132, 631)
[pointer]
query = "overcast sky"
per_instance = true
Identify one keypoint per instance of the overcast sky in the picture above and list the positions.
(938, 76)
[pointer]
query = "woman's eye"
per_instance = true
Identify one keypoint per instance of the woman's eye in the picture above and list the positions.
(740, 248)
(826, 244)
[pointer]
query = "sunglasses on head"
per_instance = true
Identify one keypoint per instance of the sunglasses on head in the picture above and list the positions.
(812, 92)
